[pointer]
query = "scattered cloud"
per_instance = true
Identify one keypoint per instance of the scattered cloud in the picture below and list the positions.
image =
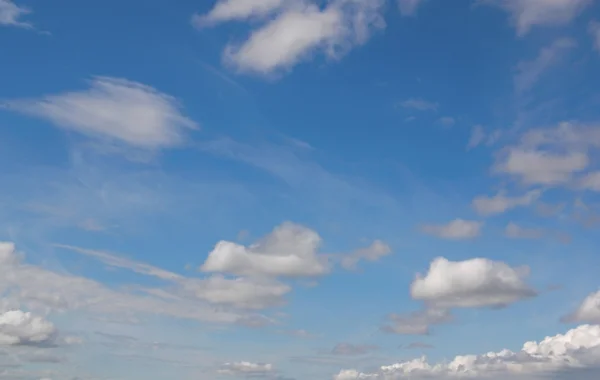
(23, 328)
(245, 368)
(409, 7)
(347, 349)
(530, 72)
(514, 231)
(594, 29)
(417, 323)
(290, 250)
(303, 30)
(471, 283)
(419, 104)
(374, 252)
(526, 14)
(458, 229)
(591, 181)
(11, 14)
(228, 10)
(578, 349)
(479, 136)
(116, 111)
(501, 203)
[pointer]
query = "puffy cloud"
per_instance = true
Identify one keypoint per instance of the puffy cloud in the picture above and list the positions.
(525, 14)
(594, 29)
(588, 311)
(303, 30)
(409, 7)
(348, 349)
(227, 10)
(514, 231)
(471, 283)
(374, 252)
(536, 167)
(419, 104)
(417, 323)
(458, 229)
(116, 110)
(501, 203)
(289, 250)
(246, 368)
(577, 349)
(20, 328)
(530, 72)
(11, 14)
(591, 181)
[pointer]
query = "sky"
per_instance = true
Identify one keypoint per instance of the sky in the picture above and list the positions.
(299, 189)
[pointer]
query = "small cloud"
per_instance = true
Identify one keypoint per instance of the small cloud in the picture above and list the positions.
(374, 252)
(514, 231)
(477, 137)
(417, 323)
(410, 119)
(458, 229)
(409, 7)
(347, 349)
(11, 14)
(419, 346)
(501, 203)
(594, 29)
(419, 104)
(245, 369)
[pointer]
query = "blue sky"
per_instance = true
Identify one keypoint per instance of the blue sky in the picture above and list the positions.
(299, 189)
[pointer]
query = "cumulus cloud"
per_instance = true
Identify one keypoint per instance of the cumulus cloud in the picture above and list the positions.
(114, 110)
(416, 323)
(303, 30)
(228, 10)
(458, 229)
(588, 311)
(594, 29)
(578, 349)
(514, 231)
(11, 14)
(419, 104)
(530, 72)
(374, 252)
(21, 328)
(501, 203)
(289, 250)
(476, 282)
(246, 368)
(526, 14)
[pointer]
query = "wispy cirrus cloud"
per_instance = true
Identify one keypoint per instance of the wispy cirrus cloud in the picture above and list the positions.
(11, 14)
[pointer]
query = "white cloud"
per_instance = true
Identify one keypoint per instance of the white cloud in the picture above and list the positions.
(514, 231)
(227, 10)
(477, 137)
(417, 323)
(302, 30)
(409, 7)
(39, 289)
(419, 104)
(500, 203)
(289, 250)
(114, 110)
(588, 311)
(19, 328)
(594, 29)
(578, 349)
(535, 167)
(471, 283)
(246, 368)
(11, 13)
(530, 72)
(525, 14)
(458, 229)
(374, 252)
